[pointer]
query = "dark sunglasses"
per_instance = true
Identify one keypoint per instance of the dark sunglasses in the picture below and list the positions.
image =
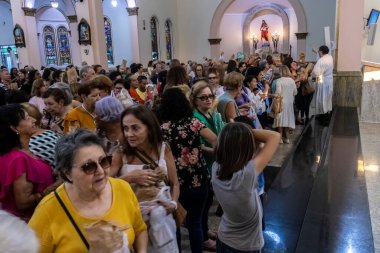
(91, 167)
(204, 98)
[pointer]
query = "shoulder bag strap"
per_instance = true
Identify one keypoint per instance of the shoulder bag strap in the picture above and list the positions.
(145, 158)
(72, 220)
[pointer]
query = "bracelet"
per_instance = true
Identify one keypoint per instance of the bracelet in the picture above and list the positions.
(174, 203)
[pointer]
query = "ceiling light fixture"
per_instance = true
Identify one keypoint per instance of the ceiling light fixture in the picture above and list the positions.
(54, 4)
(114, 3)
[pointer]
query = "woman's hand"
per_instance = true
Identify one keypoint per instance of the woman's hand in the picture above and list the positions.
(143, 177)
(169, 206)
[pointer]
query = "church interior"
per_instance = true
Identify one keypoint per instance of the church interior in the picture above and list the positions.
(321, 191)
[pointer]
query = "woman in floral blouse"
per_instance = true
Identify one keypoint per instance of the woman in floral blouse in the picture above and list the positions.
(183, 131)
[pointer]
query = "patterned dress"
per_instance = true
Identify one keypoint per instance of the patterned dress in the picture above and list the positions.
(183, 137)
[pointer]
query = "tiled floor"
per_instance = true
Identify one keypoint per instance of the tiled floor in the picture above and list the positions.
(370, 141)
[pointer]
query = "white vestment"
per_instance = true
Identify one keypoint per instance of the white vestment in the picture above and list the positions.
(322, 99)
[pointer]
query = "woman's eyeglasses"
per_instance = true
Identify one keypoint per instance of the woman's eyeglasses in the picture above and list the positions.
(91, 167)
(204, 98)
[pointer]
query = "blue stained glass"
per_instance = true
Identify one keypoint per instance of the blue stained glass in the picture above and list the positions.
(168, 39)
(108, 33)
(49, 44)
(154, 38)
(64, 46)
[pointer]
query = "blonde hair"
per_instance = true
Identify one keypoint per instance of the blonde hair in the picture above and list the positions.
(233, 81)
(285, 72)
(72, 75)
(197, 88)
(33, 112)
(37, 84)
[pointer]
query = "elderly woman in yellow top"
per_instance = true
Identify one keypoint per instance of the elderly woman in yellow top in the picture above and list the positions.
(89, 212)
(83, 116)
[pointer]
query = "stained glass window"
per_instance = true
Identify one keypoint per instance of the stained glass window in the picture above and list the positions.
(49, 44)
(168, 39)
(108, 31)
(63, 46)
(154, 37)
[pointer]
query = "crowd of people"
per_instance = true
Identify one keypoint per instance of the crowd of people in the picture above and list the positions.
(110, 162)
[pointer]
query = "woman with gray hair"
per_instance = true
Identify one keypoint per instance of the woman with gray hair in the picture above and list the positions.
(108, 111)
(15, 236)
(89, 212)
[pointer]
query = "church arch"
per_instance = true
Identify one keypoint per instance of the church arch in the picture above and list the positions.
(258, 11)
(222, 8)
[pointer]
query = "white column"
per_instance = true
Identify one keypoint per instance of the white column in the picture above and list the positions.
(75, 48)
(25, 18)
(92, 12)
(133, 12)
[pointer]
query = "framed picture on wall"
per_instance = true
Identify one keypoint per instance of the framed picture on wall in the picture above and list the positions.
(18, 34)
(84, 31)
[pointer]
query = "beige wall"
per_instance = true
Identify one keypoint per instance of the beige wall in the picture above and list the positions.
(350, 35)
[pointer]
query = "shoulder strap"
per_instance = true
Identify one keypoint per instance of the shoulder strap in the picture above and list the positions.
(72, 220)
(145, 158)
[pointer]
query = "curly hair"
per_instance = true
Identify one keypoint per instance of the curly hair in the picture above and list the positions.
(174, 106)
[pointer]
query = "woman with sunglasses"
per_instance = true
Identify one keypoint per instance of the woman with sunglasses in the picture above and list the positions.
(23, 176)
(141, 133)
(202, 99)
(183, 131)
(88, 198)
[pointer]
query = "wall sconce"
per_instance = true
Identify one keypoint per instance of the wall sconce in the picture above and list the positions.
(255, 41)
(275, 40)
(144, 24)
(87, 51)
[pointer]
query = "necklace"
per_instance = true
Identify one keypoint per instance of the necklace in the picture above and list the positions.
(92, 115)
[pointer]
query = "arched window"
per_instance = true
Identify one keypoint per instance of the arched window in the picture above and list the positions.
(107, 28)
(168, 39)
(63, 46)
(154, 37)
(49, 44)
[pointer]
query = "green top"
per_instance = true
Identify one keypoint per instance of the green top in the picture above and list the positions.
(215, 124)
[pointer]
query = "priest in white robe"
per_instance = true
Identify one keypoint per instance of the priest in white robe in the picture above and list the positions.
(322, 73)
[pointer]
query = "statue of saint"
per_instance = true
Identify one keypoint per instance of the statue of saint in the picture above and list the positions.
(264, 31)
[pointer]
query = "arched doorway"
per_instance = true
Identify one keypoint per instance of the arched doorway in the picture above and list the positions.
(224, 5)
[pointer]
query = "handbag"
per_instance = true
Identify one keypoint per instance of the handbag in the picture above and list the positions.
(307, 88)
(277, 105)
(180, 213)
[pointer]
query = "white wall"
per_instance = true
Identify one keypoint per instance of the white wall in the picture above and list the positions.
(371, 53)
(194, 19)
(319, 14)
(6, 24)
(163, 10)
(231, 32)
(53, 18)
(121, 30)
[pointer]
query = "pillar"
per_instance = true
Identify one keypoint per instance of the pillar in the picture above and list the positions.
(75, 48)
(215, 47)
(301, 44)
(92, 12)
(133, 12)
(348, 78)
(25, 17)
